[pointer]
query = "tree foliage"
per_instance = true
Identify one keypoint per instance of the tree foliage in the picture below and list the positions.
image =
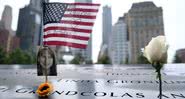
(17, 57)
(104, 60)
(126, 60)
(89, 62)
(78, 59)
(142, 60)
(2, 56)
(61, 61)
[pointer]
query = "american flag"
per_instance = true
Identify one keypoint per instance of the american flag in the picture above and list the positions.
(68, 24)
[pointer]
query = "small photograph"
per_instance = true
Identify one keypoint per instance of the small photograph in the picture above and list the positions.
(46, 62)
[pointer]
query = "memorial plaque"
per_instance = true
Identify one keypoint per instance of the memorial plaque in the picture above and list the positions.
(94, 82)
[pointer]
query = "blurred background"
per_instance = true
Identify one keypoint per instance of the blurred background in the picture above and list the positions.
(122, 29)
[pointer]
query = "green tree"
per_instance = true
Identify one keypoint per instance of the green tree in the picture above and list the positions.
(2, 56)
(89, 62)
(20, 57)
(61, 61)
(126, 60)
(78, 59)
(104, 60)
(142, 60)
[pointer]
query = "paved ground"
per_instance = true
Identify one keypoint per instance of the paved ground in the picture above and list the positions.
(94, 82)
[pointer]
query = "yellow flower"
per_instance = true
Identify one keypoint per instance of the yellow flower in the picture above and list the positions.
(44, 89)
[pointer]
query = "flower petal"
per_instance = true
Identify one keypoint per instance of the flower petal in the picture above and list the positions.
(44, 89)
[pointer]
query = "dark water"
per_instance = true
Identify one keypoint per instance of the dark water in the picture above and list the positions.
(94, 82)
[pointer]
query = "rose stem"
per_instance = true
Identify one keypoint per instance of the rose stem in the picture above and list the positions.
(160, 85)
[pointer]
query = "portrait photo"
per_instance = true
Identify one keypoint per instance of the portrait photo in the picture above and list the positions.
(46, 62)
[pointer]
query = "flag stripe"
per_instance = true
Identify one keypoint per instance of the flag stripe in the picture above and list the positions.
(70, 40)
(81, 13)
(66, 36)
(78, 19)
(66, 28)
(77, 22)
(85, 4)
(80, 16)
(86, 7)
(75, 45)
(84, 10)
(74, 28)
(67, 32)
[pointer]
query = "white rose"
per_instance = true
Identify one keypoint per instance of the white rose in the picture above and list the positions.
(156, 50)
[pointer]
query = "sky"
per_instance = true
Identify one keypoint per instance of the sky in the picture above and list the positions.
(173, 15)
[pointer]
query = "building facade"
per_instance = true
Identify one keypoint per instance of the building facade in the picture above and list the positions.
(4, 39)
(119, 48)
(8, 40)
(6, 18)
(105, 49)
(107, 28)
(144, 20)
(29, 25)
(106, 24)
(181, 55)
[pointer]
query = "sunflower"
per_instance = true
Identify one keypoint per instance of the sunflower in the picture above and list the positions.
(44, 89)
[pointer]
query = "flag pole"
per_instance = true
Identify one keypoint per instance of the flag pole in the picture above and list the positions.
(41, 42)
(42, 21)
